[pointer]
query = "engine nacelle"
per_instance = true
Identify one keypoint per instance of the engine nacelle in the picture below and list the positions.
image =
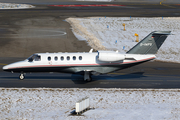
(110, 56)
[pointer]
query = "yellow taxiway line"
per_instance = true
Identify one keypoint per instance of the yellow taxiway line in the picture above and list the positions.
(2, 64)
(161, 3)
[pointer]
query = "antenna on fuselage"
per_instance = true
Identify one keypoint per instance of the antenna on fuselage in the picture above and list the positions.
(91, 51)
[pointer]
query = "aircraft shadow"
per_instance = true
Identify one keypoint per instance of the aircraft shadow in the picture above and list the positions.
(38, 78)
(109, 77)
(77, 79)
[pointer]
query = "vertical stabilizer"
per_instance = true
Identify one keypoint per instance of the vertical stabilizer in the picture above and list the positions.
(150, 44)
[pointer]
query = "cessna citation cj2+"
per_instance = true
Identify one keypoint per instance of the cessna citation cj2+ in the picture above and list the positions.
(90, 63)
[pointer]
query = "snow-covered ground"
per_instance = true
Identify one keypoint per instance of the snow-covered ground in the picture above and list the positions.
(106, 33)
(108, 104)
(15, 6)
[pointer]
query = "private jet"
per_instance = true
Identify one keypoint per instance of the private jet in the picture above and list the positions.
(91, 63)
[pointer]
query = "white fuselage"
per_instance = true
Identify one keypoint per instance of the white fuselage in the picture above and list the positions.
(77, 62)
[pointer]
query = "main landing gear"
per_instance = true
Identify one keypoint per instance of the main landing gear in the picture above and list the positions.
(87, 76)
(21, 76)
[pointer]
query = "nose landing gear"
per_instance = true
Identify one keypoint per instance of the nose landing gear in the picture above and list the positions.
(21, 76)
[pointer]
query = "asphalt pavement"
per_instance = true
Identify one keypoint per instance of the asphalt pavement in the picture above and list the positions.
(116, 80)
(154, 74)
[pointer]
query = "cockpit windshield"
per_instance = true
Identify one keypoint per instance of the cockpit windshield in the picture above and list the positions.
(34, 57)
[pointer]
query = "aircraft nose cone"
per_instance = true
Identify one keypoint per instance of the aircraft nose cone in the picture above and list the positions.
(5, 67)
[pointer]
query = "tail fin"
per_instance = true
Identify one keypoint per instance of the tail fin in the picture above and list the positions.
(150, 44)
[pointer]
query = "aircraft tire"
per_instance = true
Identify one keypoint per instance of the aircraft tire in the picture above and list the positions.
(88, 80)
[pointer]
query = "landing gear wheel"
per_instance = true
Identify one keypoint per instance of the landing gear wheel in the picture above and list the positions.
(21, 77)
(88, 80)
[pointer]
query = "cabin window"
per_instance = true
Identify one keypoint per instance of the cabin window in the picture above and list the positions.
(62, 58)
(49, 58)
(56, 58)
(68, 58)
(80, 57)
(74, 57)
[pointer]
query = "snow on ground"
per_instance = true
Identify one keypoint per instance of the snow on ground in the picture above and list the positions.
(14, 6)
(103, 32)
(108, 104)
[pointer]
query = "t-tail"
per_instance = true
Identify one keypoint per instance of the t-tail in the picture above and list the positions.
(150, 44)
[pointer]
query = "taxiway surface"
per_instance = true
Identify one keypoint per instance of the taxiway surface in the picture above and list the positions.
(44, 29)
(159, 75)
